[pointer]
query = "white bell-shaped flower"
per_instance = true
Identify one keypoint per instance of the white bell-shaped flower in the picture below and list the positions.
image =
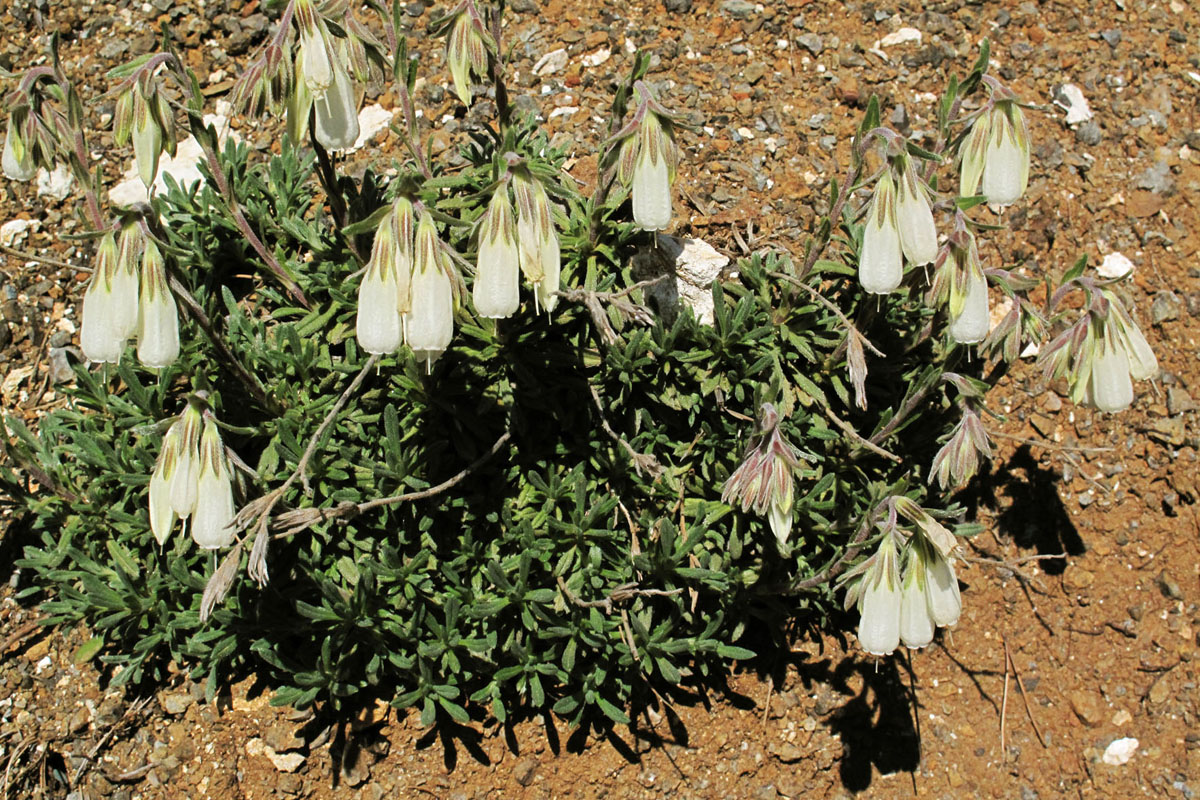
(162, 515)
(496, 292)
(1143, 364)
(1006, 161)
(973, 322)
(1111, 386)
(17, 160)
(541, 258)
(914, 217)
(158, 323)
(378, 324)
(941, 586)
(109, 301)
(316, 61)
(916, 624)
(211, 522)
(430, 325)
(652, 176)
(880, 261)
(337, 109)
(879, 604)
(182, 480)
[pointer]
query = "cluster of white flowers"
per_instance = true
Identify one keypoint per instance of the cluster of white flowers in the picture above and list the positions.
(527, 244)
(409, 292)
(114, 309)
(899, 222)
(192, 478)
(324, 84)
(906, 610)
(1121, 355)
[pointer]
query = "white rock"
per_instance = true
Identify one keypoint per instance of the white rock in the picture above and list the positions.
(13, 231)
(902, 36)
(55, 185)
(597, 58)
(184, 167)
(563, 111)
(695, 265)
(1115, 265)
(371, 120)
(284, 762)
(552, 62)
(1120, 751)
(1070, 98)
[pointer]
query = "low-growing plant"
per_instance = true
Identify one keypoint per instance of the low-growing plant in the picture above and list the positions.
(354, 455)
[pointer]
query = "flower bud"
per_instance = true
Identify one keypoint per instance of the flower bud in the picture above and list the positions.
(212, 521)
(763, 482)
(880, 261)
(18, 156)
(337, 110)
(466, 53)
(299, 104)
(498, 269)
(110, 303)
(431, 322)
(378, 324)
(147, 140)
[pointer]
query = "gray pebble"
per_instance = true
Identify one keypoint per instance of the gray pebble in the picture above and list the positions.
(1089, 133)
(738, 9)
(1166, 307)
(811, 42)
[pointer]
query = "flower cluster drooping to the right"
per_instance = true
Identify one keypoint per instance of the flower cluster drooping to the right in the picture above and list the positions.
(907, 588)
(996, 152)
(410, 289)
(899, 223)
(192, 479)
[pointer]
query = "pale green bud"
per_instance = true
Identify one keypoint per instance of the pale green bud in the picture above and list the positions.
(17, 159)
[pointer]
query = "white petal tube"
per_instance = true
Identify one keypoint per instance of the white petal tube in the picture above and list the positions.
(916, 624)
(551, 259)
(430, 324)
(651, 192)
(879, 626)
(498, 277)
(973, 322)
(97, 338)
(1143, 364)
(1003, 167)
(1112, 389)
(214, 499)
(378, 321)
(317, 68)
(918, 233)
(880, 263)
(16, 169)
(781, 522)
(124, 311)
(941, 584)
(162, 516)
(337, 111)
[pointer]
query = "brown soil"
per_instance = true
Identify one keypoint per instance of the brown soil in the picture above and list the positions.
(1104, 641)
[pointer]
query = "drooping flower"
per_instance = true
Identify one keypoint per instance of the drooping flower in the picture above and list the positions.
(1110, 386)
(880, 261)
(916, 622)
(496, 292)
(430, 325)
(378, 323)
(1143, 364)
(880, 601)
(17, 161)
(763, 482)
(337, 109)
(914, 215)
(941, 586)
(182, 480)
(996, 152)
(211, 523)
(541, 258)
(467, 49)
(109, 303)
(315, 63)
(158, 316)
(162, 515)
(652, 175)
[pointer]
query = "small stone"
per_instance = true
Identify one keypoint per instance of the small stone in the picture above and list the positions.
(1144, 204)
(1156, 179)
(550, 63)
(1179, 401)
(1087, 707)
(1168, 431)
(1119, 752)
(786, 752)
(1077, 578)
(1115, 265)
(1160, 690)
(1166, 307)
(1168, 586)
(282, 737)
(679, 6)
(901, 36)
(1112, 36)
(524, 770)
(738, 9)
(1089, 133)
(1122, 717)
(753, 73)
(55, 185)
(177, 703)
(811, 42)
(60, 364)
